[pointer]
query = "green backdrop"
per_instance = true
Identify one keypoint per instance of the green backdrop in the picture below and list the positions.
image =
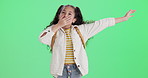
(119, 51)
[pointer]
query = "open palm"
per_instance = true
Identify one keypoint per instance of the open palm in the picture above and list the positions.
(127, 15)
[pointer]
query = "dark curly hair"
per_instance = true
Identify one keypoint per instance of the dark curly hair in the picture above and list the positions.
(78, 16)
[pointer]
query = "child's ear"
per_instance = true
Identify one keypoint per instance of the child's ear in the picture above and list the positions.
(74, 20)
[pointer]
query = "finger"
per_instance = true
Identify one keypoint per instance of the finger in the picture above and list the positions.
(69, 21)
(65, 19)
(133, 11)
(128, 13)
(62, 17)
(131, 16)
(69, 16)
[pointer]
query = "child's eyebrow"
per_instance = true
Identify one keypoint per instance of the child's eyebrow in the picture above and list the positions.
(70, 11)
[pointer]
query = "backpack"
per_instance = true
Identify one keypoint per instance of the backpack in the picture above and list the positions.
(78, 31)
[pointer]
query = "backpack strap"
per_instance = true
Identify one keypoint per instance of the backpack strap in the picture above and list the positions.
(82, 39)
(78, 31)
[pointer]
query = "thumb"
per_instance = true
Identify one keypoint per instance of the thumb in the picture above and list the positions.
(131, 15)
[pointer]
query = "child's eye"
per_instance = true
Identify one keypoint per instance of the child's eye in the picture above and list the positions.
(69, 13)
(63, 12)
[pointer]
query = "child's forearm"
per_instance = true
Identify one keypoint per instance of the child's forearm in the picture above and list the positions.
(120, 19)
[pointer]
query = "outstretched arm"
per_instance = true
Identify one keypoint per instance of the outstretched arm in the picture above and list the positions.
(126, 17)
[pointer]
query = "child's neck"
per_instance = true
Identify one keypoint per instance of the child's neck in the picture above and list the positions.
(67, 27)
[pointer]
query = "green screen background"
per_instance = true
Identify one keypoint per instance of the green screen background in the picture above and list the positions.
(119, 51)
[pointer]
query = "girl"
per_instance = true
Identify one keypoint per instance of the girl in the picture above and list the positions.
(70, 34)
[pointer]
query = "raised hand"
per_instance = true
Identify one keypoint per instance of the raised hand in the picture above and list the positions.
(64, 21)
(127, 15)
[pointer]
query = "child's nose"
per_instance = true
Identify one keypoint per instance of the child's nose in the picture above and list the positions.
(66, 15)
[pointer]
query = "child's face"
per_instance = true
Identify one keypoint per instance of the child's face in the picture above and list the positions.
(68, 11)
